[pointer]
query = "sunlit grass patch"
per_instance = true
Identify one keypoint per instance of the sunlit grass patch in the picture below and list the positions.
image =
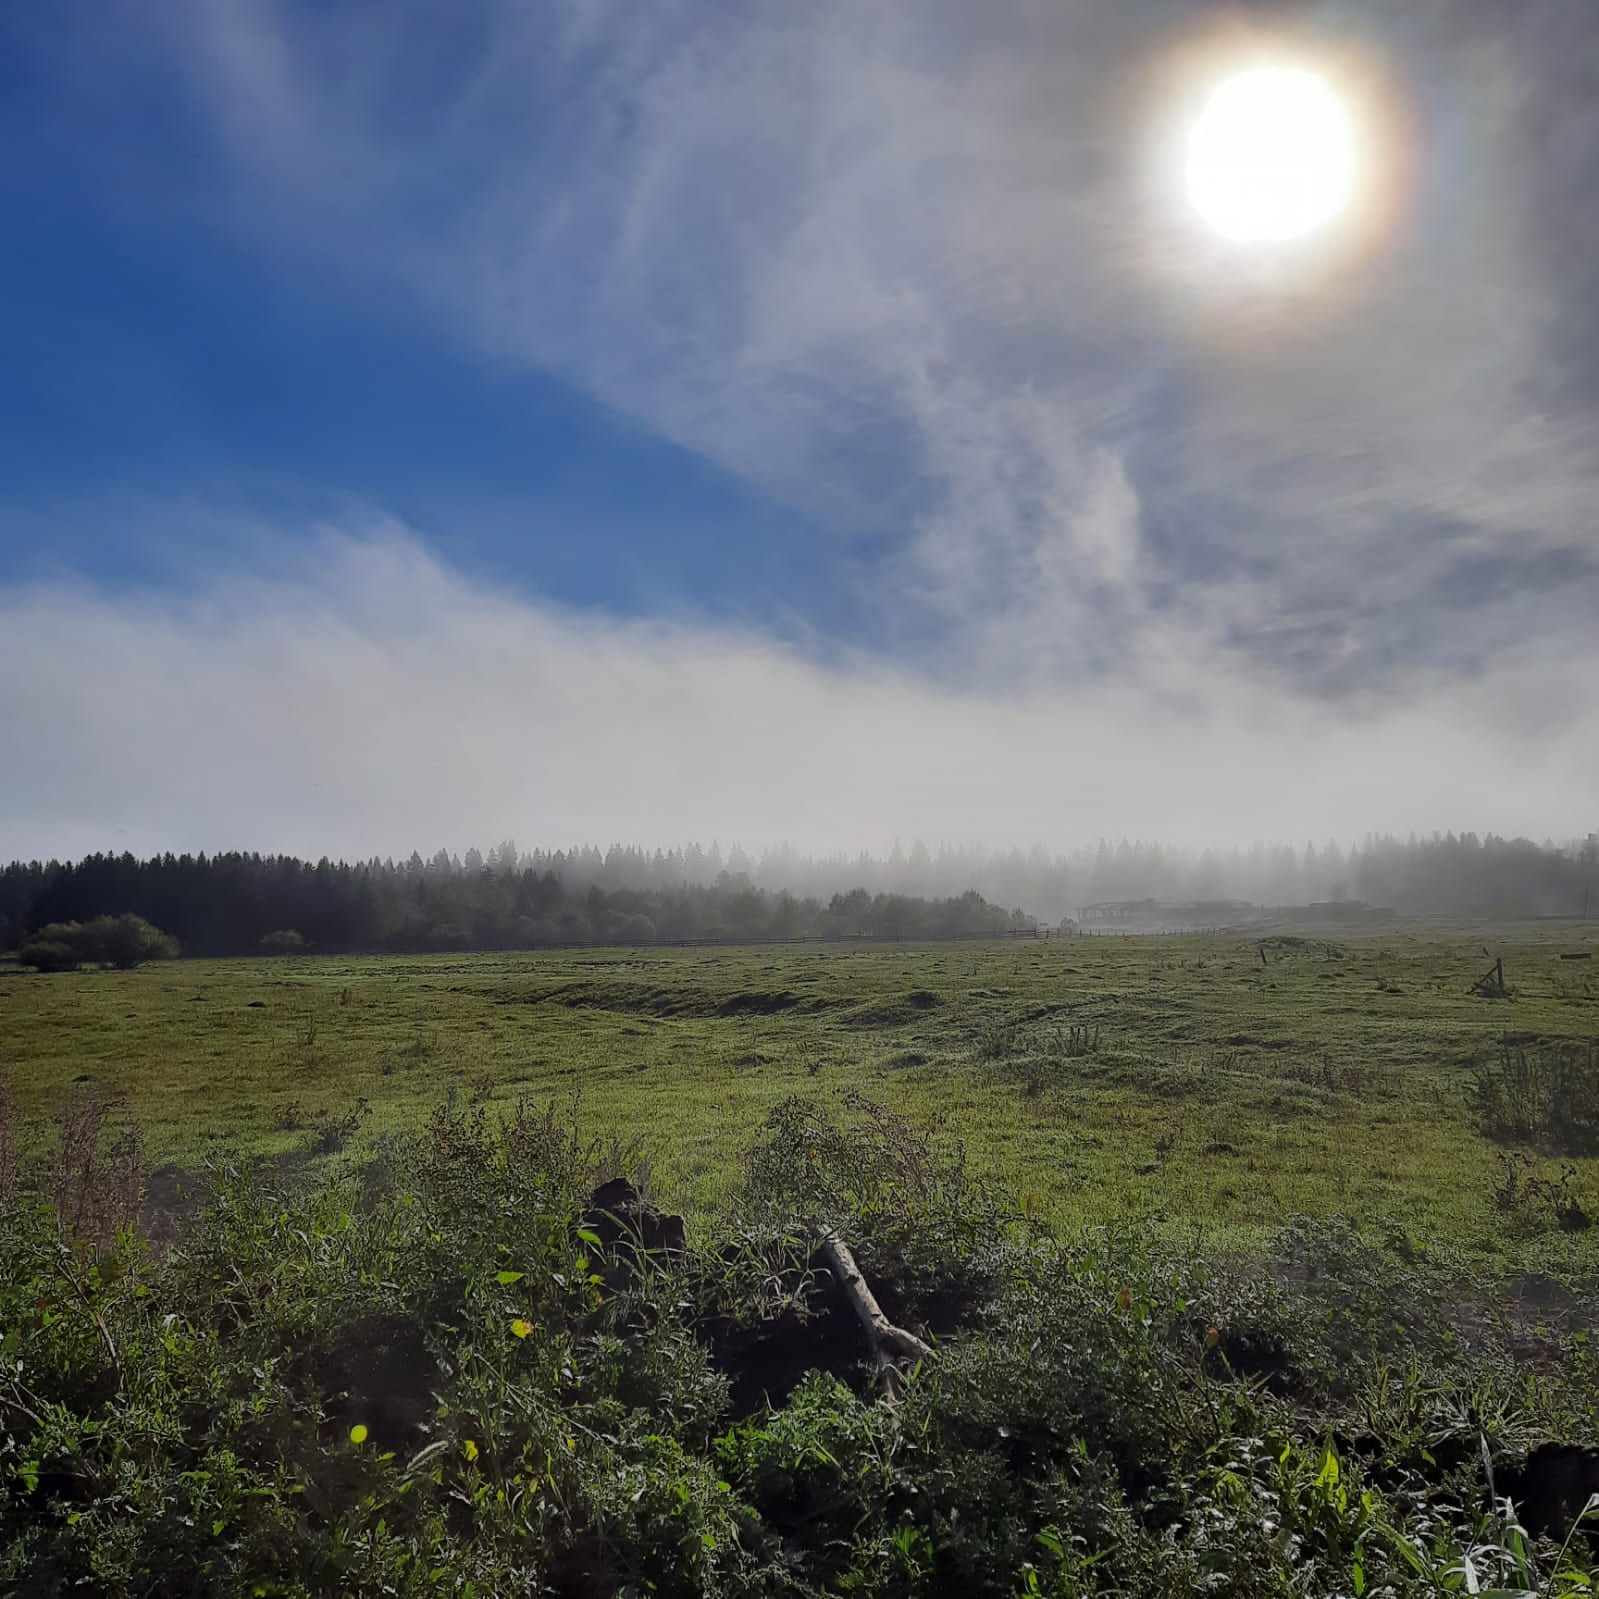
(1181, 1079)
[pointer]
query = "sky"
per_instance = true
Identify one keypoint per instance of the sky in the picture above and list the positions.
(430, 423)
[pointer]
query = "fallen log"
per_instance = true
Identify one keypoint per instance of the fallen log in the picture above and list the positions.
(886, 1339)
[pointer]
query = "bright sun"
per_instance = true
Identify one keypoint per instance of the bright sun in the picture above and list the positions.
(1272, 156)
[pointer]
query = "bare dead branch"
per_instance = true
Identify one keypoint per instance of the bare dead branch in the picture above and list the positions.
(886, 1339)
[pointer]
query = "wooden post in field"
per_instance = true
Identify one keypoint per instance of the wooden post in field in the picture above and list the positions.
(1491, 985)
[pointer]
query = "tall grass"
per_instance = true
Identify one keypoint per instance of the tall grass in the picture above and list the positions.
(1544, 1093)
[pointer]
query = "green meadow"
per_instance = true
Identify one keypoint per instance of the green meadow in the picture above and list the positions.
(407, 1350)
(1210, 1083)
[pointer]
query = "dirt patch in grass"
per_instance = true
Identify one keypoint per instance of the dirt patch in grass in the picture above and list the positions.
(899, 1010)
(379, 1374)
(1552, 1486)
(766, 1361)
(676, 1000)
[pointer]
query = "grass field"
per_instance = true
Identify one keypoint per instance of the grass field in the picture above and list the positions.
(1204, 1081)
(426, 1370)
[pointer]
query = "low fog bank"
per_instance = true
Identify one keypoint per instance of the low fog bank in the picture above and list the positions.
(359, 697)
(1445, 874)
(510, 898)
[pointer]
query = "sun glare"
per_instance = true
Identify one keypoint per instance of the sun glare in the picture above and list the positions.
(1271, 157)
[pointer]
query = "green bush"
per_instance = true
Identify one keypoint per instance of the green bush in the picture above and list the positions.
(52, 949)
(127, 941)
(422, 1375)
(283, 941)
(120, 941)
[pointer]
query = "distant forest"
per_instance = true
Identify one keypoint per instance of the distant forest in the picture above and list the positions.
(228, 904)
(236, 904)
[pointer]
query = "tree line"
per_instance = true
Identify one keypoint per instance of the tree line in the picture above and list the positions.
(237, 903)
(1467, 874)
(240, 904)
(1444, 874)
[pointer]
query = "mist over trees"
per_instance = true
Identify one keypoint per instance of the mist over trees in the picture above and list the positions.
(237, 904)
(1463, 874)
(509, 898)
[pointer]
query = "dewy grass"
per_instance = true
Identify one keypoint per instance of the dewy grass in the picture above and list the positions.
(1179, 1081)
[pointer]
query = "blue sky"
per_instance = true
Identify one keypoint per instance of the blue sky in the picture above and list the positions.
(436, 422)
(157, 354)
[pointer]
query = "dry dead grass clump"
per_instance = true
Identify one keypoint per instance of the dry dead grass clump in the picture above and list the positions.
(97, 1178)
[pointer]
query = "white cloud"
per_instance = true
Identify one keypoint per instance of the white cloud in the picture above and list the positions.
(1207, 555)
(913, 267)
(363, 698)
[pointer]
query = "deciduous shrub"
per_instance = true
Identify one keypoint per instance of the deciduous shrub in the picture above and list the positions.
(52, 949)
(119, 941)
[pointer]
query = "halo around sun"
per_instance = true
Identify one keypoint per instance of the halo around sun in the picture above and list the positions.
(1272, 156)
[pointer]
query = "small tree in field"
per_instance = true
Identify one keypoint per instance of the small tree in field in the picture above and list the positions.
(127, 941)
(52, 949)
(283, 941)
(121, 941)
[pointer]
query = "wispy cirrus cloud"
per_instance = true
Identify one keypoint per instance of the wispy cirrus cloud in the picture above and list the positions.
(913, 267)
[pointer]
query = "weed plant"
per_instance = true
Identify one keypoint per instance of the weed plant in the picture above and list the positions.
(1546, 1093)
(421, 1374)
